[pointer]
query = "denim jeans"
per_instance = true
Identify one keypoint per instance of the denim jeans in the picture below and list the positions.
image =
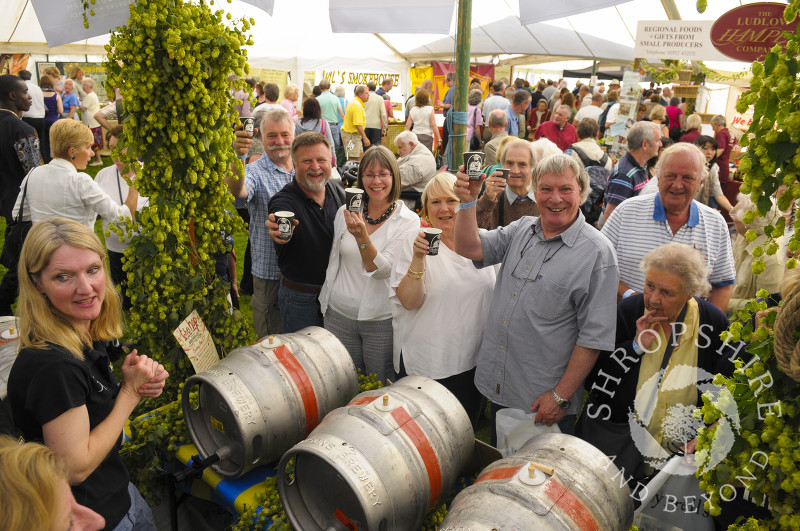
(139, 517)
(338, 151)
(337, 138)
(298, 309)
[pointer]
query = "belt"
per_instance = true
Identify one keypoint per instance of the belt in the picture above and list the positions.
(302, 288)
(334, 123)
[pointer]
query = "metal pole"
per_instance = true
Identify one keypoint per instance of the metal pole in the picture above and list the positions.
(594, 73)
(463, 38)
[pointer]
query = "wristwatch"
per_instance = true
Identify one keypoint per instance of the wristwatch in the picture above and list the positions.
(563, 403)
(363, 246)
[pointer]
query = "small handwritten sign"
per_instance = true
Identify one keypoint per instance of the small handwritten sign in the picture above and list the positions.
(196, 341)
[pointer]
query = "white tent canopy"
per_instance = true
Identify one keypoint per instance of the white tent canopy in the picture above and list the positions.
(298, 36)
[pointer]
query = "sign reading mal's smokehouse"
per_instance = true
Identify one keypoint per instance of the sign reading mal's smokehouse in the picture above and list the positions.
(748, 32)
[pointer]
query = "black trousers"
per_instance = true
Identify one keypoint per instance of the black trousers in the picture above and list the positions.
(374, 136)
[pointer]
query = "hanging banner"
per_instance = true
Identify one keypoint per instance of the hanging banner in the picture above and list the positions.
(676, 39)
(268, 75)
(748, 32)
(350, 78)
(531, 12)
(62, 20)
(483, 73)
(626, 115)
(418, 75)
(19, 61)
(391, 16)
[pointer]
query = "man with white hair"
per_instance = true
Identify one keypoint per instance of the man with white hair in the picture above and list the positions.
(629, 175)
(640, 224)
(417, 164)
(549, 319)
(558, 130)
(263, 179)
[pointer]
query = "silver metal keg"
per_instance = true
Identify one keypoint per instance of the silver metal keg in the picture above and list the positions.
(380, 463)
(260, 400)
(580, 489)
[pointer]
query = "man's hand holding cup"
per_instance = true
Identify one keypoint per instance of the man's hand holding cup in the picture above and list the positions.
(467, 191)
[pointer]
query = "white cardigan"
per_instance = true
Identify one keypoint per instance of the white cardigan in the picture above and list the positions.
(375, 300)
(57, 189)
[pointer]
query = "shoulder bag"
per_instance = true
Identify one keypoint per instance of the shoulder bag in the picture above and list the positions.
(15, 234)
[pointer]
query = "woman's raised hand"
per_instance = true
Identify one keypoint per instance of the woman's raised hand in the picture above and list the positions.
(356, 226)
(420, 246)
(154, 387)
(138, 371)
(647, 327)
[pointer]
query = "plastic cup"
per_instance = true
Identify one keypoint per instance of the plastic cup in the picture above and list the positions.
(434, 236)
(505, 172)
(285, 221)
(355, 200)
(247, 125)
(473, 163)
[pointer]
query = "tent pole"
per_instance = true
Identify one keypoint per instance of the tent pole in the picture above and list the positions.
(463, 38)
(594, 73)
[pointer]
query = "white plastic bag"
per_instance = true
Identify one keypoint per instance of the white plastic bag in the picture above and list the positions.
(515, 427)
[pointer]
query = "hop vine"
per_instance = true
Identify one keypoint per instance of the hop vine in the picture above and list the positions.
(171, 63)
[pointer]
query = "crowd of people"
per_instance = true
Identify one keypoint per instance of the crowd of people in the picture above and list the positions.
(522, 300)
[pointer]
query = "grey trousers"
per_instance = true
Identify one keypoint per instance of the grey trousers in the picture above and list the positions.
(368, 342)
(266, 314)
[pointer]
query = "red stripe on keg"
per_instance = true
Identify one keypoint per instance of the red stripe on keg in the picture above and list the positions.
(426, 452)
(363, 400)
(499, 473)
(572, 506)
(300, 378)
(345, 521)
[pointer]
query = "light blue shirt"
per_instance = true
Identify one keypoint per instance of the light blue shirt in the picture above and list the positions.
(513, 122)
(263, 179)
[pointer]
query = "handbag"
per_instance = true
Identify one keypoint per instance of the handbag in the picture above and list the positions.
(15, 234)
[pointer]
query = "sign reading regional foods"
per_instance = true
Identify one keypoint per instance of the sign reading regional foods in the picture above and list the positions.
(685, 40)
(747, 33)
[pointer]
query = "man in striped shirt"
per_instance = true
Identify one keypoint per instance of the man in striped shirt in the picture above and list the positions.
(643, 223)
(630, 176)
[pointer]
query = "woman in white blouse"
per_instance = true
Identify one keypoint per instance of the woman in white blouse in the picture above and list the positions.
(355, 297)
(422, 118)
(441, 303)
(58, 189)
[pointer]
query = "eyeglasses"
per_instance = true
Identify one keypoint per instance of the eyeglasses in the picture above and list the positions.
(372, 176)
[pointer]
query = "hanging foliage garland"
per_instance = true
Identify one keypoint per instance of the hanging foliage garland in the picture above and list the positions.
(171, 63)
(765, 452)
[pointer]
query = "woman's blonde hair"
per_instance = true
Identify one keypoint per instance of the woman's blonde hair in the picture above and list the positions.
(682, 261)
(29, 485)
(67, 134)
(39, 321)
(694, 121)
(441, 185)
(501, 147)
(384, 158)
(658, 112)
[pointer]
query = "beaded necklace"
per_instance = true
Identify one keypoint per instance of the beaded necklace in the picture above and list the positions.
(383, 217)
